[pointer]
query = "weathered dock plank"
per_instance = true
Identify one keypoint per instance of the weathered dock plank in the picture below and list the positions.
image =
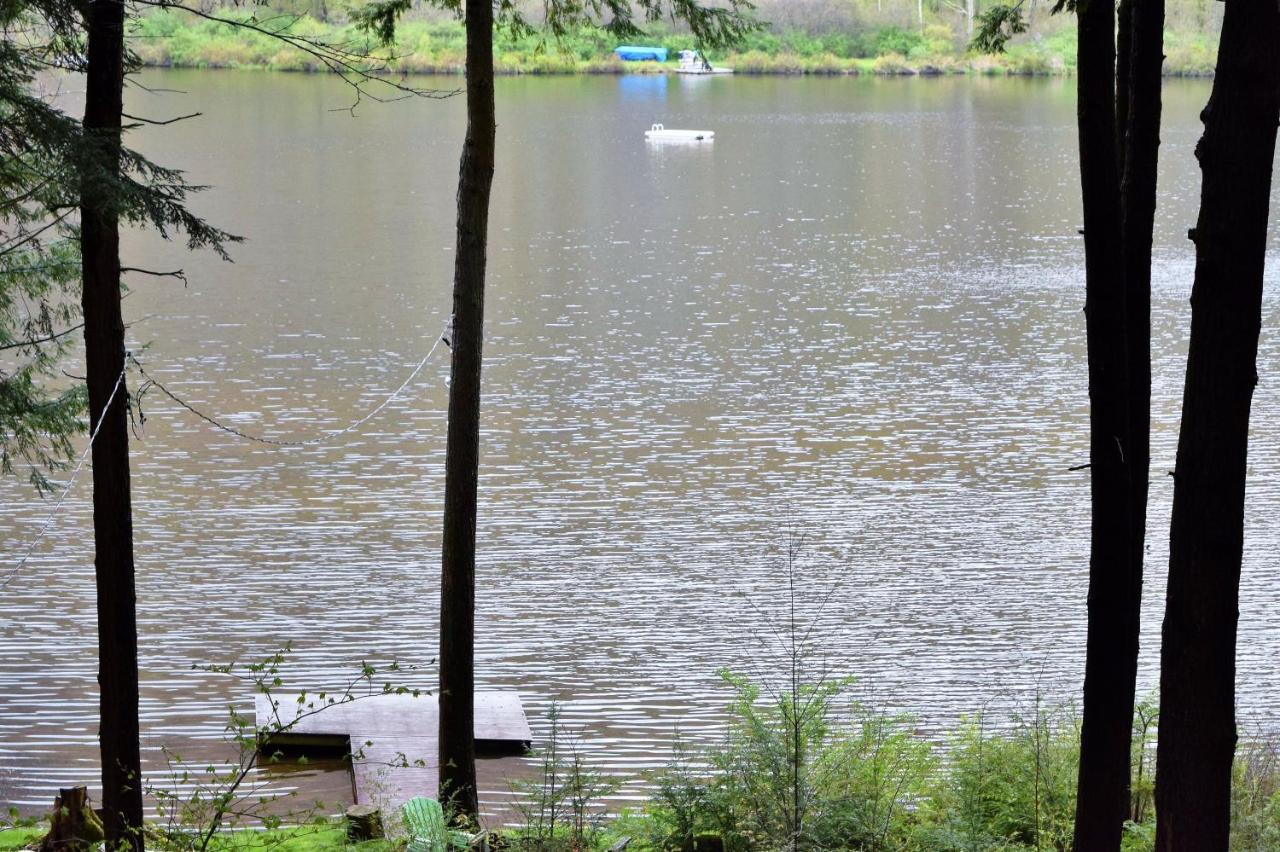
(392, 738)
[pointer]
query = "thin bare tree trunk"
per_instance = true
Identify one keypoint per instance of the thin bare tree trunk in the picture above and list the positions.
(104, 359)
(1198, 654)
(1143, 109)
(457, 588)
(1103, 783)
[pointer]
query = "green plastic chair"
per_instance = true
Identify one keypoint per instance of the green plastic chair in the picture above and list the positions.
(424, 819)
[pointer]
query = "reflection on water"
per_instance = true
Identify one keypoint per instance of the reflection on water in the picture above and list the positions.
(855, 317)
(643, 89)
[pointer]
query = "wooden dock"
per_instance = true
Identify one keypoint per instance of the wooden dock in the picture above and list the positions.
(391, 738)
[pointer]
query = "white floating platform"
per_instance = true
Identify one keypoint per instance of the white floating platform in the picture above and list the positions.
(658, 133)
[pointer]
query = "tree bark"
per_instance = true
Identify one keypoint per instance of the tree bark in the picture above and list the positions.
(1111, 653)
(1138, 201)
(104, 361)
(1197, 667)
(457, 588)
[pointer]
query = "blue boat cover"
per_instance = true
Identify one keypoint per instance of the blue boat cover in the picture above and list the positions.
(640, 54)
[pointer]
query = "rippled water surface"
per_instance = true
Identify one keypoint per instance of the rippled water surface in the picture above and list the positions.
(852, 323)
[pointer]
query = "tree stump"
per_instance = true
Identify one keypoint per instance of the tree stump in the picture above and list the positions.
(364, 822)
(73, 824)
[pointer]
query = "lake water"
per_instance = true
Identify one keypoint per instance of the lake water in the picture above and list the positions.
(852, 323)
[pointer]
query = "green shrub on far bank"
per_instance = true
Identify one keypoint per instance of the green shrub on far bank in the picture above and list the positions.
(434, 45)
(1190, 55)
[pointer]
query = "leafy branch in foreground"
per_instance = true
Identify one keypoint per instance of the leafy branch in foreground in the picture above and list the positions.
(360, 66)
(203, 799)
(996, 25)
(47, 159)
(712, 26)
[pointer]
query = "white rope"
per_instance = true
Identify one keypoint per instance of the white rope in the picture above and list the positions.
(321, 439)
(48, 521)
(329, 436)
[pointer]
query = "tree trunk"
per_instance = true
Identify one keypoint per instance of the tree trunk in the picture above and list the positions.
(1111, 652)
(1197, 667)
(1124, 63)
(457, 588)
(104, 361)
(1138, 206)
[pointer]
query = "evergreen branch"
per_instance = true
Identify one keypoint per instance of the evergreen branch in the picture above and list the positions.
(347, 63)
(23, 344)
(14, 246)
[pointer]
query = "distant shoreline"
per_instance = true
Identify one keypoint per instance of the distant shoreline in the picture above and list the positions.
(169, 39)
(922, 70)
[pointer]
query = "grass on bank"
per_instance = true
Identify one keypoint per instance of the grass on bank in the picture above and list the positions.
(171, 38)
(21, 836)
(319, 837)
(867, 781)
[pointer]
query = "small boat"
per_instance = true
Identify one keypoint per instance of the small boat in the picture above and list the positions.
(658, 133)
(632, 53)
(693, 62)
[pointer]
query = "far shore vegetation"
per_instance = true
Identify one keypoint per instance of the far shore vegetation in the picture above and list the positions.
(816, 37)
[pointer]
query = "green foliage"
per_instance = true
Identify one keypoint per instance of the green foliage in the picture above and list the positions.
(1142, 784)
(204, 801)
(1255, 796)
(48, 162)
(39, 269)
(18, 833)
(871, 780)
(681, 804)
(434, 42)
(1011, 789)
(793, 773)
(766, 770)
(995, 26)
(320, 835)
(19, 838)
(718, 25)
(561, 808)
(1138, 837)
(1190, 54)
(894, 40)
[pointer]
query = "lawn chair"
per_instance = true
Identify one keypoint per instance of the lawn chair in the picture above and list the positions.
(424, 820)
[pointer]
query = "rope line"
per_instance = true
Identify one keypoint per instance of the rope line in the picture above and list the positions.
(48, 521)
(283, 443)
(213, 421)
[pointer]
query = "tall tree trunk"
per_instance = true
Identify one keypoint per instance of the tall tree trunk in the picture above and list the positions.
(1197, 665)
(1111, 651)
(104, 358)
(1138, 206)
(1124, 62)
(457, 588)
